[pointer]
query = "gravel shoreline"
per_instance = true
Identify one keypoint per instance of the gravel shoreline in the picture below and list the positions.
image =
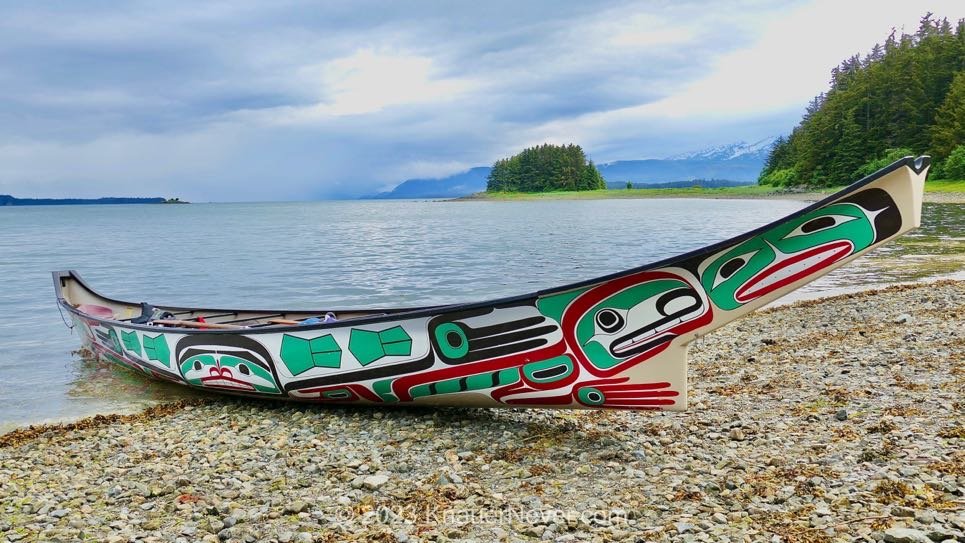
(831, 420)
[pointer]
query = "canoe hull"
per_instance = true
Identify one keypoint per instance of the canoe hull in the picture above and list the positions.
(615, 342)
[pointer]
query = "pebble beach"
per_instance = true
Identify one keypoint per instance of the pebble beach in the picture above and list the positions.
(839, 419)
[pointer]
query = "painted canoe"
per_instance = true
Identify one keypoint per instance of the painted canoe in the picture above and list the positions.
(618, 341)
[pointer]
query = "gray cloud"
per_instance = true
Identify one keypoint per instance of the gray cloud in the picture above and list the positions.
(234, 100)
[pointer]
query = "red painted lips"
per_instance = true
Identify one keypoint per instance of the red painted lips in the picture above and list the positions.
(223, 378)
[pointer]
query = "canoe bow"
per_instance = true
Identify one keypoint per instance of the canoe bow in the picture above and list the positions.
(618, 341)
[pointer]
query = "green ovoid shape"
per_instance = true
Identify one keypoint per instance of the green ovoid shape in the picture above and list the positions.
(156, 348)
(548, 371)
(591, 396)
(301, 355)
(452, 340)
(338, 394)
(129, 339)
(367, 346)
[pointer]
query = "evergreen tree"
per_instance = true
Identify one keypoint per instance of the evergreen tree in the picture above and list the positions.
(948, 131)
(545, 168)
(908, 93)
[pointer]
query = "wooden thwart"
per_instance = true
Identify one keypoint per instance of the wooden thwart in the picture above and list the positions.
(195, 324)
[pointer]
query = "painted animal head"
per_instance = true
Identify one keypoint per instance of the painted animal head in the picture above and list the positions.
(624, 322)
(800, 248)
(234, 363)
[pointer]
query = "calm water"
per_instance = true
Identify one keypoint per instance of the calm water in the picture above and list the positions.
(359, 253)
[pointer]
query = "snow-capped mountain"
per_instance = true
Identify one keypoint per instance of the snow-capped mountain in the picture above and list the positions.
(735, 163)
(730, 151)
(739, 162)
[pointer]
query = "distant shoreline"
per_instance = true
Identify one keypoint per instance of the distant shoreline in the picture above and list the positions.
(9, 201)
(938, 193)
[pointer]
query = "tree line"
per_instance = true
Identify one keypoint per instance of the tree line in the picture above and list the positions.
(906, 97)
(545, 168)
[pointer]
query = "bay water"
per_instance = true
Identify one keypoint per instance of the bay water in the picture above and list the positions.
(349, 254)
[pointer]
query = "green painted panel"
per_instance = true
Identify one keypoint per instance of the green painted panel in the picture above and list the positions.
(296, 353)
(396, 342)
(156, 348)
(325, 352)
(384, 390)
(365, 346)
(553, 306)
(131, 343)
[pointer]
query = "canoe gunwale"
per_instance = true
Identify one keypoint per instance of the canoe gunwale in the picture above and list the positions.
(60, 278)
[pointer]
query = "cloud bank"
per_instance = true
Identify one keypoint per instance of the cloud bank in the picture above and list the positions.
(231, 101)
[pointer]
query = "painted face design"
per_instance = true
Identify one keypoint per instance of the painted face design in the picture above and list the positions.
(227, 371)
(625, 322)
(798, 249)
(238, 364)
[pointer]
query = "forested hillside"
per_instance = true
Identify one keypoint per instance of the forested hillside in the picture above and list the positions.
(906, 97)
(545, 168)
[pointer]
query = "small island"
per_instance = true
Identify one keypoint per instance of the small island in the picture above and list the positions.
(545, 168)
(8, 200)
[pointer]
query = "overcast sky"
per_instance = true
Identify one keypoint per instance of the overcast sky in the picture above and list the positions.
(279, 100)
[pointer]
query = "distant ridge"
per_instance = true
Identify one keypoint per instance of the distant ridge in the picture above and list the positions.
(725, 165)
(740, 162)
(8, 200)
(453, 186)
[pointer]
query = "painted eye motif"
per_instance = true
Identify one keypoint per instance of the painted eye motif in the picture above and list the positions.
(818, 224)
(197, 365)
(244, 369)
(732, 266)
(609, 320)
(678, 302)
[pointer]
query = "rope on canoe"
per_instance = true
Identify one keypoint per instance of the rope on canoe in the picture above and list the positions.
(60, 309)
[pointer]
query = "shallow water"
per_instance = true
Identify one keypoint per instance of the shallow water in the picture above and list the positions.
(351, 253)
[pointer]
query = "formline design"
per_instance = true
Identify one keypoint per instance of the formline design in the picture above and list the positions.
(618, 341)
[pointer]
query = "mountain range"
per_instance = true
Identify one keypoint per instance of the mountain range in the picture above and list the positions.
(731, 164)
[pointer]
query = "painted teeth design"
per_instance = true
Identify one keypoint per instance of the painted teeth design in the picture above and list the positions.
(226, 383)
(651, 334)
(793, 269)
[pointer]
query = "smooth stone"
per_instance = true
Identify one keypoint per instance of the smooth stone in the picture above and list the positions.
(905, 535)
(374, 482)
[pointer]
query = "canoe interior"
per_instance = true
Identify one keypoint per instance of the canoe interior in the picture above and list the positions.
(618, 341)
(79, 295)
